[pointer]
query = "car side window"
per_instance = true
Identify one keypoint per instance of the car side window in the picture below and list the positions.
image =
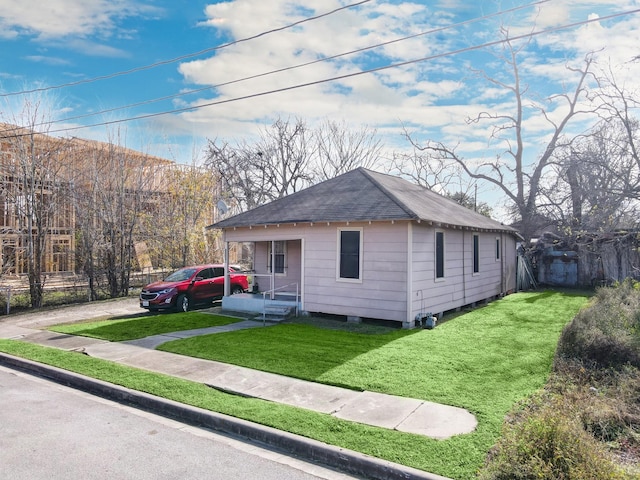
(218, 272)
(206, 273)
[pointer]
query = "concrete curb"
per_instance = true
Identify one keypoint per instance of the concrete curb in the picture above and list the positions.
(344, 460)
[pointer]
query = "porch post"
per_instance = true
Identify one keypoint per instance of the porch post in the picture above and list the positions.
(273, 268)
(227, 282)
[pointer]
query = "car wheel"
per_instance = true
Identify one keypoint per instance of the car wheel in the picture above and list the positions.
(236, 289)
(182, 304)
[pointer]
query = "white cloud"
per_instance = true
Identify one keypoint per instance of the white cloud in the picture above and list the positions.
(48, 60)
(62, 18)
(434, 98)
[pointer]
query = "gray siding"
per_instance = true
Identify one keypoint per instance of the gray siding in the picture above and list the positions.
(381, 293)
(397, 282)
(460, 285)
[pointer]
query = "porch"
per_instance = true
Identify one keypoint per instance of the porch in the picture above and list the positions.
(275, 307)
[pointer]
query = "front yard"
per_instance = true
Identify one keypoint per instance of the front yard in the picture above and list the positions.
(485, 360)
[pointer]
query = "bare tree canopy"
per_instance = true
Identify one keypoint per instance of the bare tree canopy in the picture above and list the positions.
(288, 157)
(340, 150)
(596, 186)
(35, 193)
(514, 172)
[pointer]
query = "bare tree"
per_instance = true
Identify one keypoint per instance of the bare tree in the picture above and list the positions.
(116, 187)
(185, 203)
(36, 191)
(340, 150)
(423, 168)
(242, 182)
(288, 157)
(285, 152)
(510, 172)
(275, 166)
(596, 185)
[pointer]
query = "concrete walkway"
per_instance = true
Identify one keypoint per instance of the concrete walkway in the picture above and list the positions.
(386, 411)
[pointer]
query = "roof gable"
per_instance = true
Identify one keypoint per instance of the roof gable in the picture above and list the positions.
(363, 195)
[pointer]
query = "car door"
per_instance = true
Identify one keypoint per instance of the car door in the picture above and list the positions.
(203, 289)
(218, 282)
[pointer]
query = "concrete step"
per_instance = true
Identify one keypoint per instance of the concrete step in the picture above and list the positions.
(277, 312)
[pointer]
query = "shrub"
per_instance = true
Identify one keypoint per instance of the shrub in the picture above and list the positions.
(608, 333)
(584, 424)
(547, 442)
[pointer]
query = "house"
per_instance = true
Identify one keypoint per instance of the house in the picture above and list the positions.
(371, 245)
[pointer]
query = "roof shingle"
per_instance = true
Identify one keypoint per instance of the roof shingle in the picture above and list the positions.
(363, 195)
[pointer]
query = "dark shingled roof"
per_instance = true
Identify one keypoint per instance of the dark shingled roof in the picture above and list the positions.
(364, 195)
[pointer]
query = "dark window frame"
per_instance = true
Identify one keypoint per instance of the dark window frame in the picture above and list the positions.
(476, 253)
(349, 261)
(439, 254)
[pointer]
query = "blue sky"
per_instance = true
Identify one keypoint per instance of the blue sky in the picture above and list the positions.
(47, 43)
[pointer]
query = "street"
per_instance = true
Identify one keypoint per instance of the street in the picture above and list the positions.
(49, 431)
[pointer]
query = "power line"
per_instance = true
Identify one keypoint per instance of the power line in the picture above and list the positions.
(183, 57)
(349, 75)
(293, 67)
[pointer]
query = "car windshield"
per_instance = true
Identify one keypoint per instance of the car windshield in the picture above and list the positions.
(180, 275)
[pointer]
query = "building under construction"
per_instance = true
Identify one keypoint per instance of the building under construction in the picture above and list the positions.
(40, 177)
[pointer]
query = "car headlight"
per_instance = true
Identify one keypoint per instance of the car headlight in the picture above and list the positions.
(167, 291)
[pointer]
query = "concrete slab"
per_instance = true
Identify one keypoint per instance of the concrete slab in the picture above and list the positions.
(240, 380)
(299, 393)
(438, 421)
(194, 369)
(152, 341)
(116, 352)
(156, 340)
(378, 409)
(71, 313)
(206, 372)
(60, 340)
(14, 332)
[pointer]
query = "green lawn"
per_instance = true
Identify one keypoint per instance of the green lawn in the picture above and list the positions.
(485, 360)
(143, 326)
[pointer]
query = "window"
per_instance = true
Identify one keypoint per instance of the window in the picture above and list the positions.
(218, 272)
(497, 249)
(279, 256)
(205, 273)
(439, 254)
(350, 242)
(476, 254)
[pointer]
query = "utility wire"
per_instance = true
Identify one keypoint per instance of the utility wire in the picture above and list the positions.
(293, 67)
(182, 57)
(350, 75)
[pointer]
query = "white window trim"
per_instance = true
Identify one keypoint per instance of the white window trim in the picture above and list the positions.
(270, 258)
(338, 235)
(444, 256)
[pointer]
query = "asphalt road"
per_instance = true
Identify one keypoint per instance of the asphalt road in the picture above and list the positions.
(49, 431)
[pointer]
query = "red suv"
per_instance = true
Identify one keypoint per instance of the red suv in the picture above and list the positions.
(189, 286)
